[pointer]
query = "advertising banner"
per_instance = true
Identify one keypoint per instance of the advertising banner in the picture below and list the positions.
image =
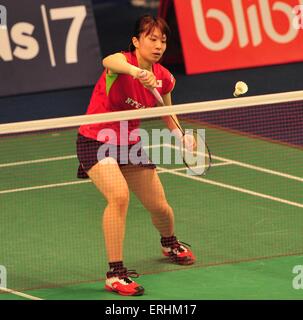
(233, 34)
(47, 45)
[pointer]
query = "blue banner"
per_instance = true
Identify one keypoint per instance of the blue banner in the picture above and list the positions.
(47, 45)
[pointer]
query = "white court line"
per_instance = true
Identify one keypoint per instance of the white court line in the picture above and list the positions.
(163, 170)
(48, 36)
(20, 294)
(174, 171)
(225, 160)
(21, 163)
(171, 171)
(69, 183)
(46, 186)
(249, 166)
(227, 186)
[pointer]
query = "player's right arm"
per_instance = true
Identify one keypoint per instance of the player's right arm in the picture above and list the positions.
(117, 63)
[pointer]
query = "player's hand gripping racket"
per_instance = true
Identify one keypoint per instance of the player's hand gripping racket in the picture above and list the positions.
(194, 149)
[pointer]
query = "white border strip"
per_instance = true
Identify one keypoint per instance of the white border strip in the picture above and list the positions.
(214, 105)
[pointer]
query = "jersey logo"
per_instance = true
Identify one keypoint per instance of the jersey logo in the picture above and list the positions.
(134, 103)
(159, 83)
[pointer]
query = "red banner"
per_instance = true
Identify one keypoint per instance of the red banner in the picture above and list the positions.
(233, 34)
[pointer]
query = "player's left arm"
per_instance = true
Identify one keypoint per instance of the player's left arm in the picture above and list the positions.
(170, 123)
(174, 125)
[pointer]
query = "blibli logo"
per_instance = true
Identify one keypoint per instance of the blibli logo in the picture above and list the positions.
(247, 24)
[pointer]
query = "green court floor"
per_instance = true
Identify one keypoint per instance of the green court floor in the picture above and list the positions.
(262, 279)
(243, 220)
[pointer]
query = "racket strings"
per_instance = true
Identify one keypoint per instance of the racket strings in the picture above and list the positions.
(208, 157)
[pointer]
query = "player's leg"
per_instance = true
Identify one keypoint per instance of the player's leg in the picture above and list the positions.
(110, 182)
(146, 184)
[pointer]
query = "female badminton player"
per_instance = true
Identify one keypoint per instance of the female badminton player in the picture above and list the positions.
(122, 87)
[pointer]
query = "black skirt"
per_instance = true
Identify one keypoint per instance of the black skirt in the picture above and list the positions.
(89, 153)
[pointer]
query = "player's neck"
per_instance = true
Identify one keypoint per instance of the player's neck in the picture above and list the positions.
(143, 64)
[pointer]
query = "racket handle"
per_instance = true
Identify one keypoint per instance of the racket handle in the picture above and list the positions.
(154, 91)
(157, 95)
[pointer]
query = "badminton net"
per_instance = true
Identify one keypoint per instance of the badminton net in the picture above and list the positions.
(247, 207)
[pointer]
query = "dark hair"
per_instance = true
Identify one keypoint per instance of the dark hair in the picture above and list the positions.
(147, 24)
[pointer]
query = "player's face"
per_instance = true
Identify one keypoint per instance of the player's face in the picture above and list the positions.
(152, 46)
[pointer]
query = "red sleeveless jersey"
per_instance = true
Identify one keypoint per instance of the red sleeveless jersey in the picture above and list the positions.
(119, 92)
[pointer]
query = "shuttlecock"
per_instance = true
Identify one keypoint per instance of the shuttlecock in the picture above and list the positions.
(240, 88)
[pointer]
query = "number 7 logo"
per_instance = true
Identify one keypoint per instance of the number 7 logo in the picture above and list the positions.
(78, 14)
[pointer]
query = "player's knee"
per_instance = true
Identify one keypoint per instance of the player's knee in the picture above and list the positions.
(120, 198)
(161, 208)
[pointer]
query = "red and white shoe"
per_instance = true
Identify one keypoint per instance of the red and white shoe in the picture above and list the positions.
(119, 281)
(179, 253)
